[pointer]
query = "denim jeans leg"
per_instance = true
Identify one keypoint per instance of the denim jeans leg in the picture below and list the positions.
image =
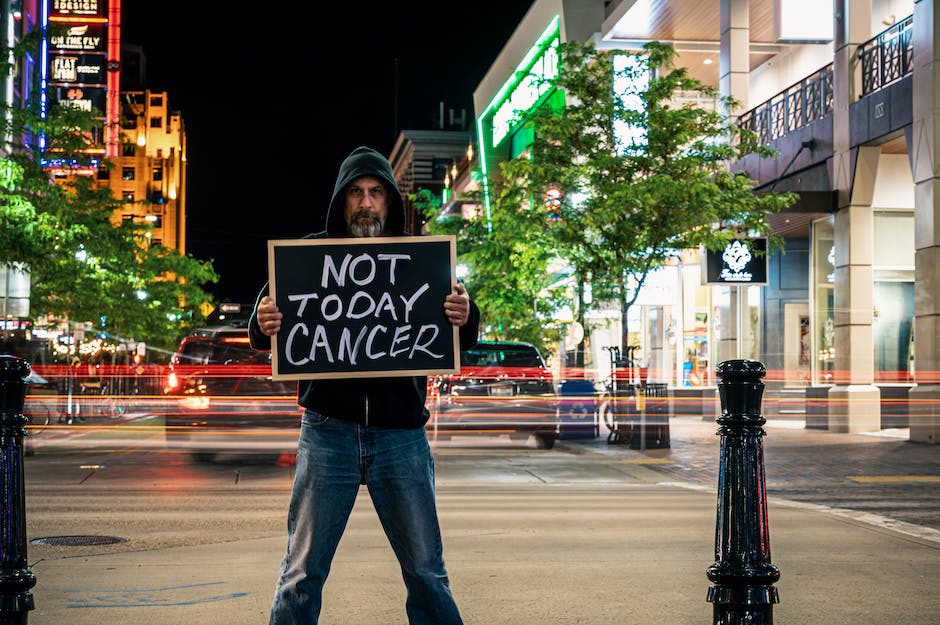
(326, 482)
(400, 478)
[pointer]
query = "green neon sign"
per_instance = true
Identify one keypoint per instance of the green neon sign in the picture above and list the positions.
(521, 93)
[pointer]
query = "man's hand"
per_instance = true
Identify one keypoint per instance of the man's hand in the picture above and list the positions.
(456, 306)
(269, 316)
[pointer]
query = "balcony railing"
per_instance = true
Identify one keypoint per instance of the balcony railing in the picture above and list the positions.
(887, 57)
(794, 107)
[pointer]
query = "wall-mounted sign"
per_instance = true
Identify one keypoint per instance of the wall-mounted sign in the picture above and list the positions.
(87, 69)
(82, 98)
(743, 261)
(79, 38)
(363, 307)
(78, 8)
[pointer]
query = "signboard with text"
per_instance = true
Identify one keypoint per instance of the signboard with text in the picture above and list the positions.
(743, 261)
(363, 307)
(79, 38)
(78, 8)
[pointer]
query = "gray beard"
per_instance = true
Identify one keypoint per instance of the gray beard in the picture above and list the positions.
(366, 227)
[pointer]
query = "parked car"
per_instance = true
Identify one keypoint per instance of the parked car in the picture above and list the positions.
(504, 387)
(219, 397)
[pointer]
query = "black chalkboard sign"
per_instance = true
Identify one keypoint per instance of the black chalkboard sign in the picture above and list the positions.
(363, 307)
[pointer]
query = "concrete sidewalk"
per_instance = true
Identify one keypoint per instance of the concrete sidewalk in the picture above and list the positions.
(628, 553)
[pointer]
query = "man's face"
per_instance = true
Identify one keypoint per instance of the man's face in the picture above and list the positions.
(366, 207)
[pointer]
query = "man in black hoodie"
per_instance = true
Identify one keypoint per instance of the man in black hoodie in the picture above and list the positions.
(364, 431)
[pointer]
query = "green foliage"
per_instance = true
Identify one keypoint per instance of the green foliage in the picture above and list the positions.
(82, 266)
(627, 209)
(506, 264)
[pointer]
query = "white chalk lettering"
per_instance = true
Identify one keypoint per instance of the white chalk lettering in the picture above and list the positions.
(320, 340)
(345, 349)
(372, 333)
(386, 303)
(329, 299)
(423, 346)
(401, 334)
(329, 267)
(359, 296)
(393, 258)
(302, 298)
(355, 263)
(288, 347)
(410, 302)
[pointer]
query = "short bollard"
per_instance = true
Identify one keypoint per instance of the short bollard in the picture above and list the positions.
(15, 577)
(742, 575)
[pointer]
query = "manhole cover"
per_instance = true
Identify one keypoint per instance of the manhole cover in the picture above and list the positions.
(77, 541)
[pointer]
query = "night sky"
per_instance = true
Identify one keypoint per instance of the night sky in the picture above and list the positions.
(273, 102)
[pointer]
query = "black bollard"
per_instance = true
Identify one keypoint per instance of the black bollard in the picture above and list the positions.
(15, 577)
(742, 575)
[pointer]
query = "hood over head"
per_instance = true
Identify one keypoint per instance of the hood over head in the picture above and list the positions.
(364, 161)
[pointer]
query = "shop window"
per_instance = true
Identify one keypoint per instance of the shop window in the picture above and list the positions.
(127, 173)
(893, 296)
(822, 322)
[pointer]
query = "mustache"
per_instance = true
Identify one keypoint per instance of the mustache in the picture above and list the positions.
(365, 215)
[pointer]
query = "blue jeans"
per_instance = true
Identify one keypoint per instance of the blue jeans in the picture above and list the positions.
(333, 458)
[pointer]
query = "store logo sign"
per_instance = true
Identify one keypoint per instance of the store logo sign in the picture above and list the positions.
(743, 261)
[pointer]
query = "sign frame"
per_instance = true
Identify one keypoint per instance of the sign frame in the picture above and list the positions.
(375, 252)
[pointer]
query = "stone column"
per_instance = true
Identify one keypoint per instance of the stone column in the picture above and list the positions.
(854, 402)
(733, 79)
(922, 147)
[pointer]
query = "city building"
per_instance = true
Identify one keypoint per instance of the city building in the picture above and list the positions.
(846, 94)
(150, 169)
(138, 150)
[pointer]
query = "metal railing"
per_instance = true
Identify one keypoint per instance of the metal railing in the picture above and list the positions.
(888, 56)
(794, 107)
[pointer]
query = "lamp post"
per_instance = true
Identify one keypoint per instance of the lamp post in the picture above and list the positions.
(742, 575)
(15, 577)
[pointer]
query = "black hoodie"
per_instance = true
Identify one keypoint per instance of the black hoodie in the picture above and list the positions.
(394, 402)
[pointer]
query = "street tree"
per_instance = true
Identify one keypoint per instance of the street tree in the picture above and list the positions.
(641, 176)
(507, 260)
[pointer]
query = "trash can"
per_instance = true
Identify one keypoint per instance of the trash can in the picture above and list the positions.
(576, 415)
(626, 405)
(652, 428)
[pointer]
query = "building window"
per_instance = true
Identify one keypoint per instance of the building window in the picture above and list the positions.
(103, 173)
(128, 149)
(156, 197)
(128, 196)
(157, 174)
(127, 173)
(126, 218)
(156, 100)
(128, 123)
(156, 122)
